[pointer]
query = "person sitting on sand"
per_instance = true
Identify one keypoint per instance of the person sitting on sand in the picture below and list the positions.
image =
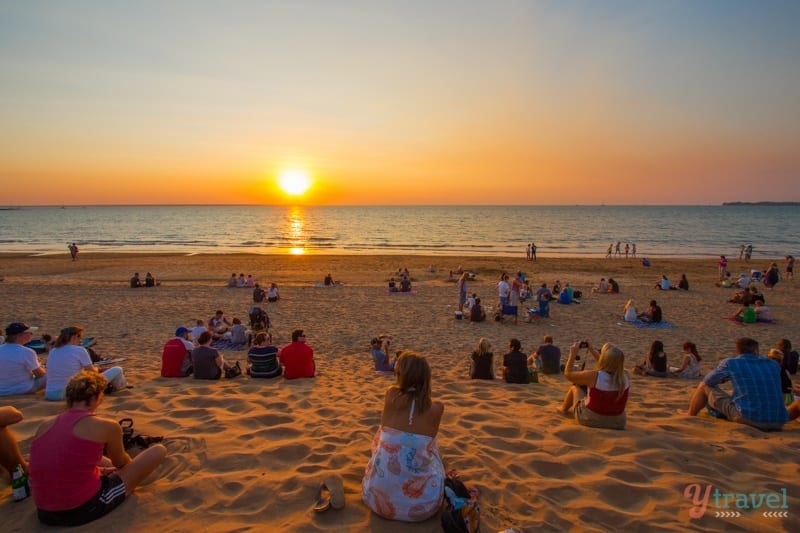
(602, 287)
(258, 294)
(232, 281)
(663, 283)
(515, 364)
(613, 286)
(241, 281)
(136, 281)
(404, 478)
(20, 371)
(547, 357)
(744, 281)
(219, 323)
(598, 397)
(726, 282)
(629, 311)
(405, 284)
(198, 329)
(297, 357)
(476, 312)
(690, 367)
(328, 280)
(786, 382)
(208, 362)
(393, 285)
(379, 349)
(655, 363)
(250, 282)
(176, 357)
(683, 284)
(653, 314)
(273, 295)
(79, 469)
(746, 314)
(772, 276)
(756, 399)
(482, 361)
(262, 358)
(68, 358)
(790, 357)
(763, 313)
(238, 333)
(10, 454)
(150, 281)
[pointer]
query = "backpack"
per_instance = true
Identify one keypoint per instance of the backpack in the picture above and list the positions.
(460, 510)
(258, 319)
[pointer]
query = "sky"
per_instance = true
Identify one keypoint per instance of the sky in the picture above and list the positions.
(399, 103)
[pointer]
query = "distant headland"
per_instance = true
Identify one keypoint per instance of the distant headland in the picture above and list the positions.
(761, 203)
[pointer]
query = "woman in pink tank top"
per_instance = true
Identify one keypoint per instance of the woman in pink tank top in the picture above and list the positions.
(71, 480)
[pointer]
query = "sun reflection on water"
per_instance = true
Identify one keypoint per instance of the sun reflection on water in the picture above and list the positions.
(296, 234)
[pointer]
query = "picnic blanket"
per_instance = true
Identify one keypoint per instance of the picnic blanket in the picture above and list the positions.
(756, 323)
(401, 292)
(652, 325)
(224, 344)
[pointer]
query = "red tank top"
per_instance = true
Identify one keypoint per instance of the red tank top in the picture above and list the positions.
(63, 467)
(603, 398)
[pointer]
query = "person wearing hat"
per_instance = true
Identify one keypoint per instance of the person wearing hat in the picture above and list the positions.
(176, 358)
(20, 371)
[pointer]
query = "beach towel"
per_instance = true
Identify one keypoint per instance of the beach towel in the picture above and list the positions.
(224, 344)
(401, 292)
(651, 325)
(756, 323)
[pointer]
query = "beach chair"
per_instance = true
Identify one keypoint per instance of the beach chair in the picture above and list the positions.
(756, 275)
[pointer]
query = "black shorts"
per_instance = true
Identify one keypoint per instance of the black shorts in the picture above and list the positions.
(110, 495)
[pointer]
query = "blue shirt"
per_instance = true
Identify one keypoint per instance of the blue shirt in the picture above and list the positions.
(378, 356)
(756, 387)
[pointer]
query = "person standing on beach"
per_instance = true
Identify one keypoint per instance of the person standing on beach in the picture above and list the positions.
(789, 267)
(627, 249)
(756, 400)
(533, 251)
(528, 252)
(503, 289)
(748, 252)
(462, 291)
(610, 251)
(723, 267)
(741, 251)
(617, 250)
(73, 251)
(633, 249)
(297, 357)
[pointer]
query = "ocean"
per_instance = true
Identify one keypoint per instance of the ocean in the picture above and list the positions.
(678, 231)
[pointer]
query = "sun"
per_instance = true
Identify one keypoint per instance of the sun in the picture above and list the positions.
(294, 182)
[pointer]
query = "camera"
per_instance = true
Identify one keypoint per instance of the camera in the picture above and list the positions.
(583, 344)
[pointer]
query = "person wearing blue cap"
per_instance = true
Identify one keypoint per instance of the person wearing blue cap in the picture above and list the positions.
(176, 358)
(20, 371)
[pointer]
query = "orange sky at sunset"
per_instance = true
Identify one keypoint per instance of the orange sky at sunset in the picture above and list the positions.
(451, 103)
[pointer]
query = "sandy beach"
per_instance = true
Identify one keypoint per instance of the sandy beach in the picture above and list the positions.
(248, 455)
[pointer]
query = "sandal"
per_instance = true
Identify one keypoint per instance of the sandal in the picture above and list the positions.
(323, 499)
(336, 488)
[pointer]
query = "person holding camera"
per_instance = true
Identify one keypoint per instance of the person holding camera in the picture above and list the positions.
(379, 348)
(598, 397)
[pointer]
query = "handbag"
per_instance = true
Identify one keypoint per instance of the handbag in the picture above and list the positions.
(235, 370)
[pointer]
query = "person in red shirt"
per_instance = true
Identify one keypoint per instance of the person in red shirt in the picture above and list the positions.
(297, 357)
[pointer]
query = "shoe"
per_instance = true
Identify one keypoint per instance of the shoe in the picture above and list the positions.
(323, 499)
(334, 485)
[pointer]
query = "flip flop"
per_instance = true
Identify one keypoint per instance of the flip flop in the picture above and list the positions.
(323, 499)
(336, 488)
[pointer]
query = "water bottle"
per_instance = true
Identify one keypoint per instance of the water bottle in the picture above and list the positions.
(19, 484)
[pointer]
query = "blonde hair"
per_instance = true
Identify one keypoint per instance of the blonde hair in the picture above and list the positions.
(775, 355)
(84, 386)
(483, 346)
(628, 304)
(612, 360)
(414, 379)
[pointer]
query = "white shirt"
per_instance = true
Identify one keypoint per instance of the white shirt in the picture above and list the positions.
(63, 363)
(196, 331)
(503, 288)
(664, 284)
(16, 364)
